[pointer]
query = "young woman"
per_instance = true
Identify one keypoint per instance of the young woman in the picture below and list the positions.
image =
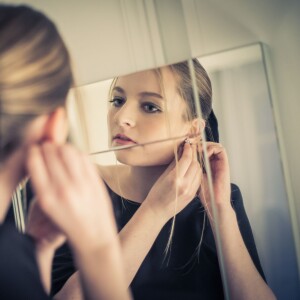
(35, 77)
(158, 180)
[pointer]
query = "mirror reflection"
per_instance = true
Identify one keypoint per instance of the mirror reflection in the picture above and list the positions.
(145, 107)
(194, 176)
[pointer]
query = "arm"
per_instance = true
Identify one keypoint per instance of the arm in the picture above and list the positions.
(136, 239)
(244, 280)
(75, 196)
(44, 259)
(47, 239)
(139, 234)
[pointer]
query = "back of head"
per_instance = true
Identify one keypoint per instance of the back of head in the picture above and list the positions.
(204, 90)
(35, 72)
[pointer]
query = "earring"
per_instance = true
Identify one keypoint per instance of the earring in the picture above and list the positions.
(188, 141)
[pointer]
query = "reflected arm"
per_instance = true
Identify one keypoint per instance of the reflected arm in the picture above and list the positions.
(243, 271)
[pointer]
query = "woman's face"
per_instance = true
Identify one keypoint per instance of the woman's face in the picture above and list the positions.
(141, 113)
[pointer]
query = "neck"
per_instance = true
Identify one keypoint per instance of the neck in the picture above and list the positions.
(143, 178)
(11, 173)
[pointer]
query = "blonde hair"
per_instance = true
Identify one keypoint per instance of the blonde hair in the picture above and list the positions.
(184, 86)
(35, 72)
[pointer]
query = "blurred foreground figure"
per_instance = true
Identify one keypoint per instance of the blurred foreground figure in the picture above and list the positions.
(71, 202)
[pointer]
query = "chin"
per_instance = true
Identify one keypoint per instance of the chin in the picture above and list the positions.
(142, 160)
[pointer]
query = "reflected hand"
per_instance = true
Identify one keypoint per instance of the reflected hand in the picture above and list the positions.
(184, 181)
(220, 172)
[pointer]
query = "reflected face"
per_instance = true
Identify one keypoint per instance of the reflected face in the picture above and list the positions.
(141, 112)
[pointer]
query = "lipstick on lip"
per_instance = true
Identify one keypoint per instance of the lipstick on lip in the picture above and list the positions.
(122, 139)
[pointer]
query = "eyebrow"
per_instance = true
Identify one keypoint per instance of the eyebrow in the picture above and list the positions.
(149, 94)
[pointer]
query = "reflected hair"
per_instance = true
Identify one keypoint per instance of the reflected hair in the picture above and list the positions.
(182, 75)
(204, 89)
(35, 72)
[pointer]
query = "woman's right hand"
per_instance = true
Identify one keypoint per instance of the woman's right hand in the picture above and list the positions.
(70, 193)
(183, 179)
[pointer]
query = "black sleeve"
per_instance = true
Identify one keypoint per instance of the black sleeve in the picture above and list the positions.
(245, 228)
(19, 273)
(62, 268)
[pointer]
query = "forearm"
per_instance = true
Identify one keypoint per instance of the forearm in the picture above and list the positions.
(137, 238)
(71, 289)
(44, 259)
(244, 280)
(101, 272)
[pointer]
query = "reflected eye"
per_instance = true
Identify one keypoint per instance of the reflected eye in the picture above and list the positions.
(117, 101)
(151, 108)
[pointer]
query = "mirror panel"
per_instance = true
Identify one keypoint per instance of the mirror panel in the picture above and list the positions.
(242, 104)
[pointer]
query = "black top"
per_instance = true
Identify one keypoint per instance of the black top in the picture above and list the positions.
(19, 274)
(183, 273)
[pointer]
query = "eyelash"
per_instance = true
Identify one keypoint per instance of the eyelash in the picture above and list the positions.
(116, 103)
(113, 101)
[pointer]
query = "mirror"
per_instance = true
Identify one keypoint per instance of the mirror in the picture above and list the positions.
(243, 107)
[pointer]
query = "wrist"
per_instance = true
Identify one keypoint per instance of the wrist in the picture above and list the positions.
(157, 214)
(89, 248)
(43, 248)
(224, 213)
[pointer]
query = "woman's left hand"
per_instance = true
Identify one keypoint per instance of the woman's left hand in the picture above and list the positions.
(220, 174)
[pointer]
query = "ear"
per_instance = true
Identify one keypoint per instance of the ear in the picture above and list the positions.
(197, 126)
(56, 126)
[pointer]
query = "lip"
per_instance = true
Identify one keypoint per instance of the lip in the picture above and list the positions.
(122, 139)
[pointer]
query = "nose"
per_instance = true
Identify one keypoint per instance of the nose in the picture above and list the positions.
(126, 116)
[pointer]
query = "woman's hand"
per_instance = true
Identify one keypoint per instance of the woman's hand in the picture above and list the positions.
(46, 234)
(70, 193)
(178, 183)
(220, 174)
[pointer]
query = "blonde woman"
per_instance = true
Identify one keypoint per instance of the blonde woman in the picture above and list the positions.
(35, 77)
(163, 258)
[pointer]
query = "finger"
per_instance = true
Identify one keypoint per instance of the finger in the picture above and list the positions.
(185, 160)
(196, 183)
(214, 149)
(180, 149)
(38, 171)
(73, 162)
(194, 172)
(194, 152)
(58, 174)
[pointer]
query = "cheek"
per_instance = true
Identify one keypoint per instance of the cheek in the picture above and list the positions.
(161, 154)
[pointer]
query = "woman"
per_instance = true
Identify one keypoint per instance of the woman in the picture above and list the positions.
(35, 77)
(165, 259)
